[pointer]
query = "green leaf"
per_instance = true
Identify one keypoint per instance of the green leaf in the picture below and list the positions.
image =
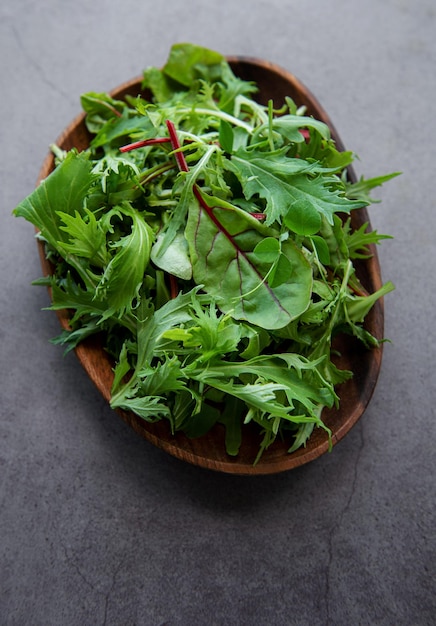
(100, 107)
(358, 307)
(87, 237)
(121, 369)
(200, 423)
(358, 240)
(289, 125)
(211, 333)
(124, 274)
(267, 250)
(67, 294)
(221, 244)
(362, 188)
(303, 218)
(186, 62)
(175, 257)
(152, 325)
(290, 184)
(283, 370)
(118, 127)
(163, 378)
(321, 248)
(150, 408)
(63, 190)
(281, 272)
(303, 434)
(226, 136)
(231, 418)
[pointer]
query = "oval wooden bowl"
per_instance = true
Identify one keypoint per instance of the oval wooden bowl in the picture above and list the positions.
(209, 451)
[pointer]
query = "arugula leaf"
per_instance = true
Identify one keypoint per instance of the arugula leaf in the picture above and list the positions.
(358, 241)
(290, 186)
(361, 189)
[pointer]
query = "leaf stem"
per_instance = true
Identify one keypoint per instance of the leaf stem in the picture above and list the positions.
(175, 143)
(145, 142)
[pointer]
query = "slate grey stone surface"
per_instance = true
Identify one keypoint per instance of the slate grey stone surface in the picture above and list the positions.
(99, 527)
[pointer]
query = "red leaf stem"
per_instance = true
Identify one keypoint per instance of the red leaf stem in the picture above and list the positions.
(174, 288)
(180, 157)
(143, 143)
(184, 167)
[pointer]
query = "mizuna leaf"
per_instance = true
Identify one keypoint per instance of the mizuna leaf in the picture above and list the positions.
(124, 274)
(222, 240)
(87, 237)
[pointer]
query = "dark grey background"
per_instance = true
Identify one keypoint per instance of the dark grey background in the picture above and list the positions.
(99, 527)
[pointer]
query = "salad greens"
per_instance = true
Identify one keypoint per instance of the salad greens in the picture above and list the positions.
(208, 238)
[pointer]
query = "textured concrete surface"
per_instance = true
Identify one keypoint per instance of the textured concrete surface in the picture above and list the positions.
(99, 527)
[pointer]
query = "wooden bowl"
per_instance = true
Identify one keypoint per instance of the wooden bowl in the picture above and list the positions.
(209, 451)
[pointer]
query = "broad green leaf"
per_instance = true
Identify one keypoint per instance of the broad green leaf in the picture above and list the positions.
(267, 250)
(63, 190)
(187, 61)
(303, 217)
(281, 272)
(221, 244)
(175, 258)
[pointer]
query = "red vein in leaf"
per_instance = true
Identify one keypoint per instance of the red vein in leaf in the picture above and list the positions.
(110, 107)
(184, 167)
